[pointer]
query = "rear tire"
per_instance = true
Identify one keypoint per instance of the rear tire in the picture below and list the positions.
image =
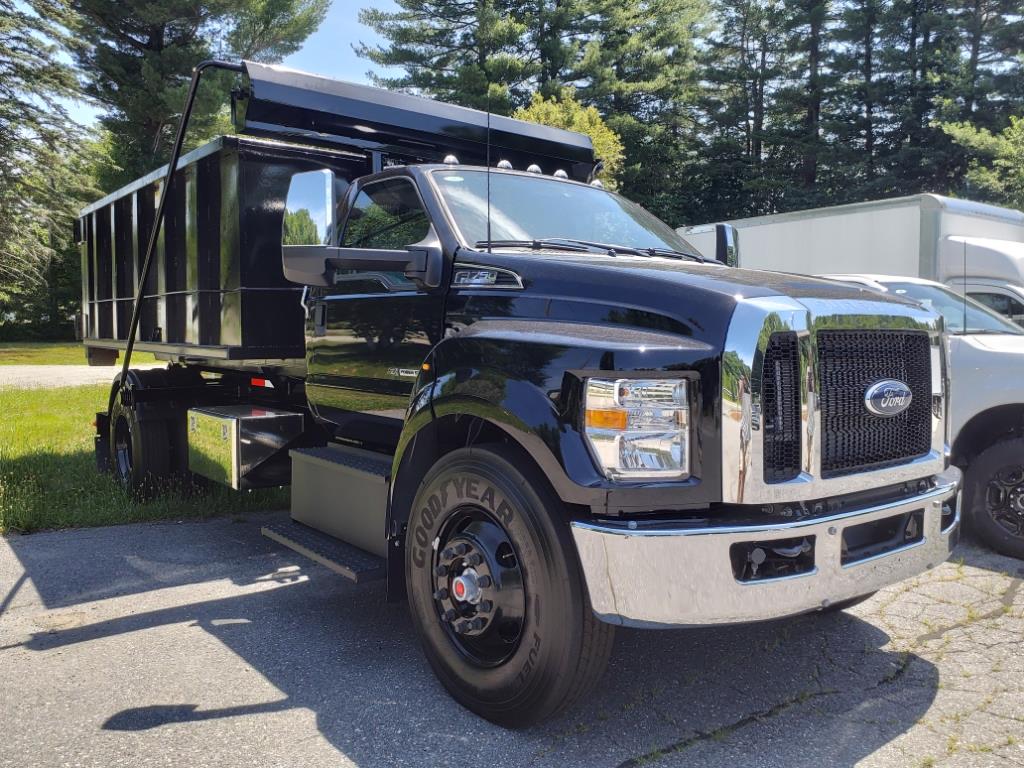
(140, 448)
(481, 520)
(994, 497)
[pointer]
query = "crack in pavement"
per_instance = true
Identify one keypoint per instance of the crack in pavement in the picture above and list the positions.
(717, 734)
(1005, 603)
(725, 730)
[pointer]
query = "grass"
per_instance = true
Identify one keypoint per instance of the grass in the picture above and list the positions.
(52, 353)
(48, 476)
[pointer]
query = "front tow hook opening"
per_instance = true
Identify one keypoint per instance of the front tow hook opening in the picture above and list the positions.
(775, 559)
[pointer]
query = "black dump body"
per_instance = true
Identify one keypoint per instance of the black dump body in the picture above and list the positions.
(216, 289)
(216, 292)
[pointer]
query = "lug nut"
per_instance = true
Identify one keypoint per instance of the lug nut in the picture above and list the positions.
(474, 559)
(485, 606)
(462, 627)
(441, 570)
(483, 582)
(451, 614)
(441, 594)
(461, 548)
(447, 553)
(476, 623)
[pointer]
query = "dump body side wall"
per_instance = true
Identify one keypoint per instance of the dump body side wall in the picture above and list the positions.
(216, 289)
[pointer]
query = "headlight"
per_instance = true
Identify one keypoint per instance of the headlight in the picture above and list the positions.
(639, 428)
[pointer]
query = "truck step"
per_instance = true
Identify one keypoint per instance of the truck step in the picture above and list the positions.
(343, 492)
(344, 457)
(349, 561)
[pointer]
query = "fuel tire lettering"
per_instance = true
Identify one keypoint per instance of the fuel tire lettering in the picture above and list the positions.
(530, 663)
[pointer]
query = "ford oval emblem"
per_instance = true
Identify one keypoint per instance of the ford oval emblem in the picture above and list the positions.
(888, 397)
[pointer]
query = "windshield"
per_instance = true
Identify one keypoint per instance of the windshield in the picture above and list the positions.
(527, 208)
(961, 315)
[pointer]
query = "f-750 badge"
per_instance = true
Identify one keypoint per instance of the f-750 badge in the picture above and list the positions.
(408, 373)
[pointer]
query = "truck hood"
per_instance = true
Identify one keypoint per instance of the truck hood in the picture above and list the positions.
(984, 374)
(997, 343)
(735, 282)
(668, 295)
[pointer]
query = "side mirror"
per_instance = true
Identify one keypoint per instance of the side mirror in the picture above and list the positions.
(309, 227)
(727, 248)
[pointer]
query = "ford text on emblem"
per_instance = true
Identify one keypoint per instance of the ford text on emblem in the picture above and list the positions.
(888, 397)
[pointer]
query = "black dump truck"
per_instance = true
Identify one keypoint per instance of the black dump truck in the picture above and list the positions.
(519, 399)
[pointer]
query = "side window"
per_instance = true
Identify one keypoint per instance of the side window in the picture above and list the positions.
(386, 215)
(1005, 305)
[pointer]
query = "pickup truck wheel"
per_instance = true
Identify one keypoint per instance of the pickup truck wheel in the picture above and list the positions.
(994, 492)
(496, 592)
(139, 450)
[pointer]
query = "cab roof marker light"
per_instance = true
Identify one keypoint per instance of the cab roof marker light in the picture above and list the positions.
(451, 160)
(505, 165)
(533, 168)
(560, 174)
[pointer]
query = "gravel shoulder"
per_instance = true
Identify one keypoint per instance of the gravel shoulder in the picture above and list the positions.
(204, 644)
(50, 376)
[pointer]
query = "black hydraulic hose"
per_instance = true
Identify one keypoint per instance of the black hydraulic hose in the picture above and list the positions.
(172, 166)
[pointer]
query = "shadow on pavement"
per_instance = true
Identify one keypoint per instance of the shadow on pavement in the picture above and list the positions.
(807, 691)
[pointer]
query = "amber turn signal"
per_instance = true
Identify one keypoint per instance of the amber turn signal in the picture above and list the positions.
(599, 418)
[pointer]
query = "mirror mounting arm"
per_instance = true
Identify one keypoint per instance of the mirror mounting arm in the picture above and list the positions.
(315, 264)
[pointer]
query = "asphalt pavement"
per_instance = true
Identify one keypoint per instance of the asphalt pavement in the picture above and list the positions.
(203, 644)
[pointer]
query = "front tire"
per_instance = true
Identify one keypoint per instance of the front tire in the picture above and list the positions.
(994, 492)
(496, 593)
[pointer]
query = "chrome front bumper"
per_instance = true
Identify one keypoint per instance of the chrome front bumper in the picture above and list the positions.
(675, 576)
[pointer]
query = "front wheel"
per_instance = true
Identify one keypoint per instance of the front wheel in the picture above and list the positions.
(994, 492)
(496, 593)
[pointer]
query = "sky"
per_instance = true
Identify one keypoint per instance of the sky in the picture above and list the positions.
(328, 51)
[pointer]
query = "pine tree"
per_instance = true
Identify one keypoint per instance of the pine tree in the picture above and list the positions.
(742, 67)
(921, 56)
(857, 122)
(992, 42)
(638, 69)
(42, 154)
(467, 52)
(799, 102)
(136, 57)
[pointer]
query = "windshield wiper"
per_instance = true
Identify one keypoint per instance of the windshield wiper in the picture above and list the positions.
(536, 245)
(611, 249)
(586, 246)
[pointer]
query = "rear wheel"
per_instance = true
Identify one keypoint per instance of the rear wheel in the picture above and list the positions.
(994, 492)
(140, 449)
(496, 592)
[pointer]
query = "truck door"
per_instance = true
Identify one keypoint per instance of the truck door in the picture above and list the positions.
(369, 333)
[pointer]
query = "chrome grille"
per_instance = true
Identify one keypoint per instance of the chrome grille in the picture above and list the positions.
(852, 438)
(780, 407)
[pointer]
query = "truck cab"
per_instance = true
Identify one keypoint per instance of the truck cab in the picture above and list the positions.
(525, 403)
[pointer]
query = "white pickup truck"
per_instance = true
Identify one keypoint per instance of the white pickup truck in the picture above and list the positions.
(986, 409)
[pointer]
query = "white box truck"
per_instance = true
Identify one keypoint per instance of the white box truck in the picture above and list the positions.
(971, 247)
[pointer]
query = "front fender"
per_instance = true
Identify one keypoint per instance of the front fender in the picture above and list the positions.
(525, 378)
